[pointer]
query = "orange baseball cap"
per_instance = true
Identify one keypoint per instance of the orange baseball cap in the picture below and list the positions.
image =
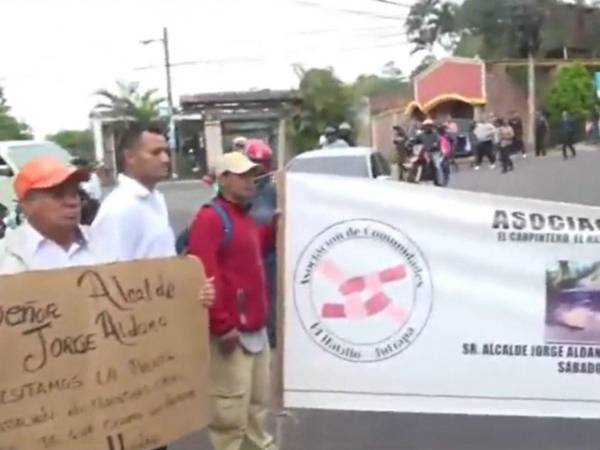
(44, 173)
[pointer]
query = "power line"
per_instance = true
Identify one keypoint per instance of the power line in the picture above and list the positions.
(245, 59)
(311, 32)
(253, 60)
(390, 2)
(348, 11)
(392, 44)
(386, 29)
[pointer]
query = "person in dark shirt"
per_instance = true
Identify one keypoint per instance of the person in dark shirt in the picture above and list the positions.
(3, 215)
(430, 139)
(541, 130)
(516, 124)
(345, 133)
(567, 134)
(264, 205)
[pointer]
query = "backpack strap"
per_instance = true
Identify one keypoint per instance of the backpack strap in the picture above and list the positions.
(226, 220)
(183, 239)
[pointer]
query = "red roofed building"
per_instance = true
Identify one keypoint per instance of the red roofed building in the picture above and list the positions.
(454, 86)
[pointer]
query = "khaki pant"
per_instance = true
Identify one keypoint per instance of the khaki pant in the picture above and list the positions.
(239, 399)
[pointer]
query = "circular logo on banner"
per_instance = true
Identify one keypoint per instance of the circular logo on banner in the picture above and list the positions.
(362, 290)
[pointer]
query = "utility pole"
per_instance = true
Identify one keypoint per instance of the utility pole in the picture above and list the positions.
(165, 41)
(531, 102)
(528, 18)
(172, 130)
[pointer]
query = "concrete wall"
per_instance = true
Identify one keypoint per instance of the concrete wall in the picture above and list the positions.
(214, 142)
(382, 132)
(504, 94)
(378, 116)
(363, 125)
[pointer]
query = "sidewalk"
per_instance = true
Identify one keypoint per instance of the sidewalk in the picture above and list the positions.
(581, 146)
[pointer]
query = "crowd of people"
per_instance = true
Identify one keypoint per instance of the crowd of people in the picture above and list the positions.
(489, 138)
(233, 236)
(337, 137)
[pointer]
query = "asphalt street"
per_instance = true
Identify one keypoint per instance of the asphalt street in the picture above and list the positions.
(551, 178)
(548, 178)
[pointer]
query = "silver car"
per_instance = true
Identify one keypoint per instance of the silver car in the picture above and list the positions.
(360, 162)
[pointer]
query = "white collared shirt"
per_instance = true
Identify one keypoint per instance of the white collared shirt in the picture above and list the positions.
(135, 221)
(45, 254)
(93, 187)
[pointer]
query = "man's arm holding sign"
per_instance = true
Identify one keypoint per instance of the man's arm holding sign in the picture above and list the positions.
(208, 293)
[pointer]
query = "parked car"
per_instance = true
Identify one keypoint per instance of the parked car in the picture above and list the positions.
(463, 147)
(361, 162)
(13, 156)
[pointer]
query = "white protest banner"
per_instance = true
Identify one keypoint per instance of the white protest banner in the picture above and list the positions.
(421, 299)
(111, 357)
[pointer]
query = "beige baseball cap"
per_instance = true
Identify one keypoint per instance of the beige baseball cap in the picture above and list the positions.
(235, 162)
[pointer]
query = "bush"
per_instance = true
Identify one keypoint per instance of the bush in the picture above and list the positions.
(572, 91)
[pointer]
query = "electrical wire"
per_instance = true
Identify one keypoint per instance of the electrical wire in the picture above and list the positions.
(390, 2)
(348, 11)
(253, 60)
(312, 32)
(386, 29)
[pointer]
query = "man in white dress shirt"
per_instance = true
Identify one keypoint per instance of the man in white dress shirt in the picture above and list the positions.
(134, 216)
(133, 219)
(92, 187)
(51, 237)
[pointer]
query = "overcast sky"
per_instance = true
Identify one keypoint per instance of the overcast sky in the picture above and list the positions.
(55, 53)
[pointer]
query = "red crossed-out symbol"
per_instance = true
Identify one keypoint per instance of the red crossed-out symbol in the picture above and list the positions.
(354, 307)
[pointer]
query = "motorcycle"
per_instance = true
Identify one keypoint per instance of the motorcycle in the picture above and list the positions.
(420, 167)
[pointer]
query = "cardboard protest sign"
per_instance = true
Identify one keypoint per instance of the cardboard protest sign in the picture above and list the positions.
(108, 357)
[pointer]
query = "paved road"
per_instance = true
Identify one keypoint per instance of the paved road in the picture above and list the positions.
(183, 200)
(551, 178)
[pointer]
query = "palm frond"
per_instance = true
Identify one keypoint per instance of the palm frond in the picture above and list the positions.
(104, 106)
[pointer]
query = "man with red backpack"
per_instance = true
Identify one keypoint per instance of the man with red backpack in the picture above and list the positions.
(231, 244)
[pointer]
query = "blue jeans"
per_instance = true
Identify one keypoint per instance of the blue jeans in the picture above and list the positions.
(437, 158)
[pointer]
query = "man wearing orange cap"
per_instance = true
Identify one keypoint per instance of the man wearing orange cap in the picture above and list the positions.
(51, 237)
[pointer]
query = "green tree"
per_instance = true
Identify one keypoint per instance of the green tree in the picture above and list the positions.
(427, 61)
(486, 26)
(325, 101)
(79, 142)
(573, 91)
(11, 129)
(391, 72)
(492, 29)
(391, 80)
(128, 101)
(432, 22)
